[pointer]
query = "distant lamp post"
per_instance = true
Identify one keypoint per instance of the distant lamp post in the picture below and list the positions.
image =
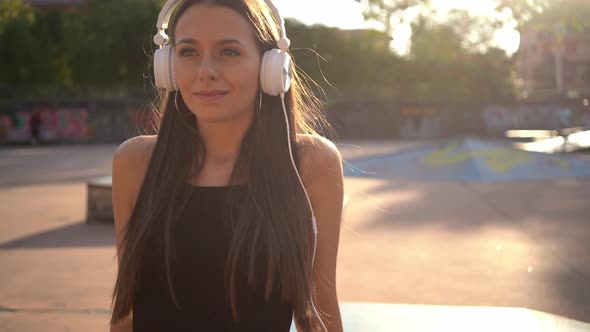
(560, 31)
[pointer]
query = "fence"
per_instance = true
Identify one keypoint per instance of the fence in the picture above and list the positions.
(110, 121)
(373, 119)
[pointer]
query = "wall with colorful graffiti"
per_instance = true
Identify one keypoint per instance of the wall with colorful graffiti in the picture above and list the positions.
(56, 125)
(108, 121)
(498, 118)
(91, 122)
(371, 119)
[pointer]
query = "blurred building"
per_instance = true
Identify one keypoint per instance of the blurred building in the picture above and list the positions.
(554, 62)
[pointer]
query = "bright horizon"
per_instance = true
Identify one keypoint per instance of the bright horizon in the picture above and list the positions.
(349, 16)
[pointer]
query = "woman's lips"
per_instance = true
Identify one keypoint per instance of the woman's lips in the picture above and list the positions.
(209, 96)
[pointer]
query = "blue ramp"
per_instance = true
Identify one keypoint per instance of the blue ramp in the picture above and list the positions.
(468, 160)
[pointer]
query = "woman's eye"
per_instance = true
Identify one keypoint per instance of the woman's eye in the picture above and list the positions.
(230, 52)
(187, 52)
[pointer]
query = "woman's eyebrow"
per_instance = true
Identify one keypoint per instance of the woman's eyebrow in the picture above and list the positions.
(220, 42)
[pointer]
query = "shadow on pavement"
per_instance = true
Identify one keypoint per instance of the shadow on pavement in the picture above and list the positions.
(548, 219)
(570, 289)
(467, 206)
(75, 235)
(54, 164)
(65, 177)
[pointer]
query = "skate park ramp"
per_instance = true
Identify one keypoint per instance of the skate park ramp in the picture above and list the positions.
(468, 160)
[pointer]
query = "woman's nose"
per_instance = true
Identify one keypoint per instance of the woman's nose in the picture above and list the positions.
(207, 70)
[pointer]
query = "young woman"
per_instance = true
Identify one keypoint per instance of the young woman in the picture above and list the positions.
(213, 222)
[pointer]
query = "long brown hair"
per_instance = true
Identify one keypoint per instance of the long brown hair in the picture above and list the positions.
(273, 225)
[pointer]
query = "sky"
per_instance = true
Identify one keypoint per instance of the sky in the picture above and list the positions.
(347, 14)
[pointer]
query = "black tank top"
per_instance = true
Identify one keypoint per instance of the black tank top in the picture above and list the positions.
(201, 241)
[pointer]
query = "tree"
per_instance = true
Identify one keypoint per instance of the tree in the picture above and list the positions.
(555, 16)
(103, 48)
(32, 58)
(450, 61)
(391, 13)
(522, 10)
(113, 43)
(343, 62)
(477, 32)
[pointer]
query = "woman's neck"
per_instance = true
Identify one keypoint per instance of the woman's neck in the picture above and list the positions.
(223, 140)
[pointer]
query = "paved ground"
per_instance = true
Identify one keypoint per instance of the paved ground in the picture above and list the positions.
(515, 244)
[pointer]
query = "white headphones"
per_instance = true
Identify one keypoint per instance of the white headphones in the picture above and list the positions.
(275, 69)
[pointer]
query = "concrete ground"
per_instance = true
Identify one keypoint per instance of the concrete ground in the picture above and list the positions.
(510, 245)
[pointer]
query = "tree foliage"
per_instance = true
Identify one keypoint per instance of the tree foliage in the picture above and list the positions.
(343, 62)
(393, 12)
(101, 48)
(113, 42)
(31, 51)
(105, 48)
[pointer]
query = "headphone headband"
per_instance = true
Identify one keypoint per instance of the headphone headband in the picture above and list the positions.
(275, 69)
(162, 39)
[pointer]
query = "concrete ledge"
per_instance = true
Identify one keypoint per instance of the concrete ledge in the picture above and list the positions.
(99, 201)
(385, 317)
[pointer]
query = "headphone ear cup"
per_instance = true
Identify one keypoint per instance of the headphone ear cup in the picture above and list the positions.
(275, 72)
(164, 68)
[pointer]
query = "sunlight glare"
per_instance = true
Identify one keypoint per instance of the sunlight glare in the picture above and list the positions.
(347, 14)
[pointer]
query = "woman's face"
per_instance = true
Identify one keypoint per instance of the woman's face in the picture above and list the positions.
(217, 63)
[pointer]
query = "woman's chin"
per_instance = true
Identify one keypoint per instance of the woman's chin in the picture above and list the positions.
(216, 116)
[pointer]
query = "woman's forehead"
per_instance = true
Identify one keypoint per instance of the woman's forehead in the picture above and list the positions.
(208, 23)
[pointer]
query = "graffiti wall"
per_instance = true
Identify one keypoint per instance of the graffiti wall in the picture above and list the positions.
(498, 119)
(360, 119)
(92, 122)
(56, 125)
(420, 122)
(116, 120)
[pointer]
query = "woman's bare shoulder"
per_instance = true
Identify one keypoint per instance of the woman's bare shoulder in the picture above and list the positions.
(316, 146)
(130, 162)
(318, 155)
(136, 150)
(132, 157)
